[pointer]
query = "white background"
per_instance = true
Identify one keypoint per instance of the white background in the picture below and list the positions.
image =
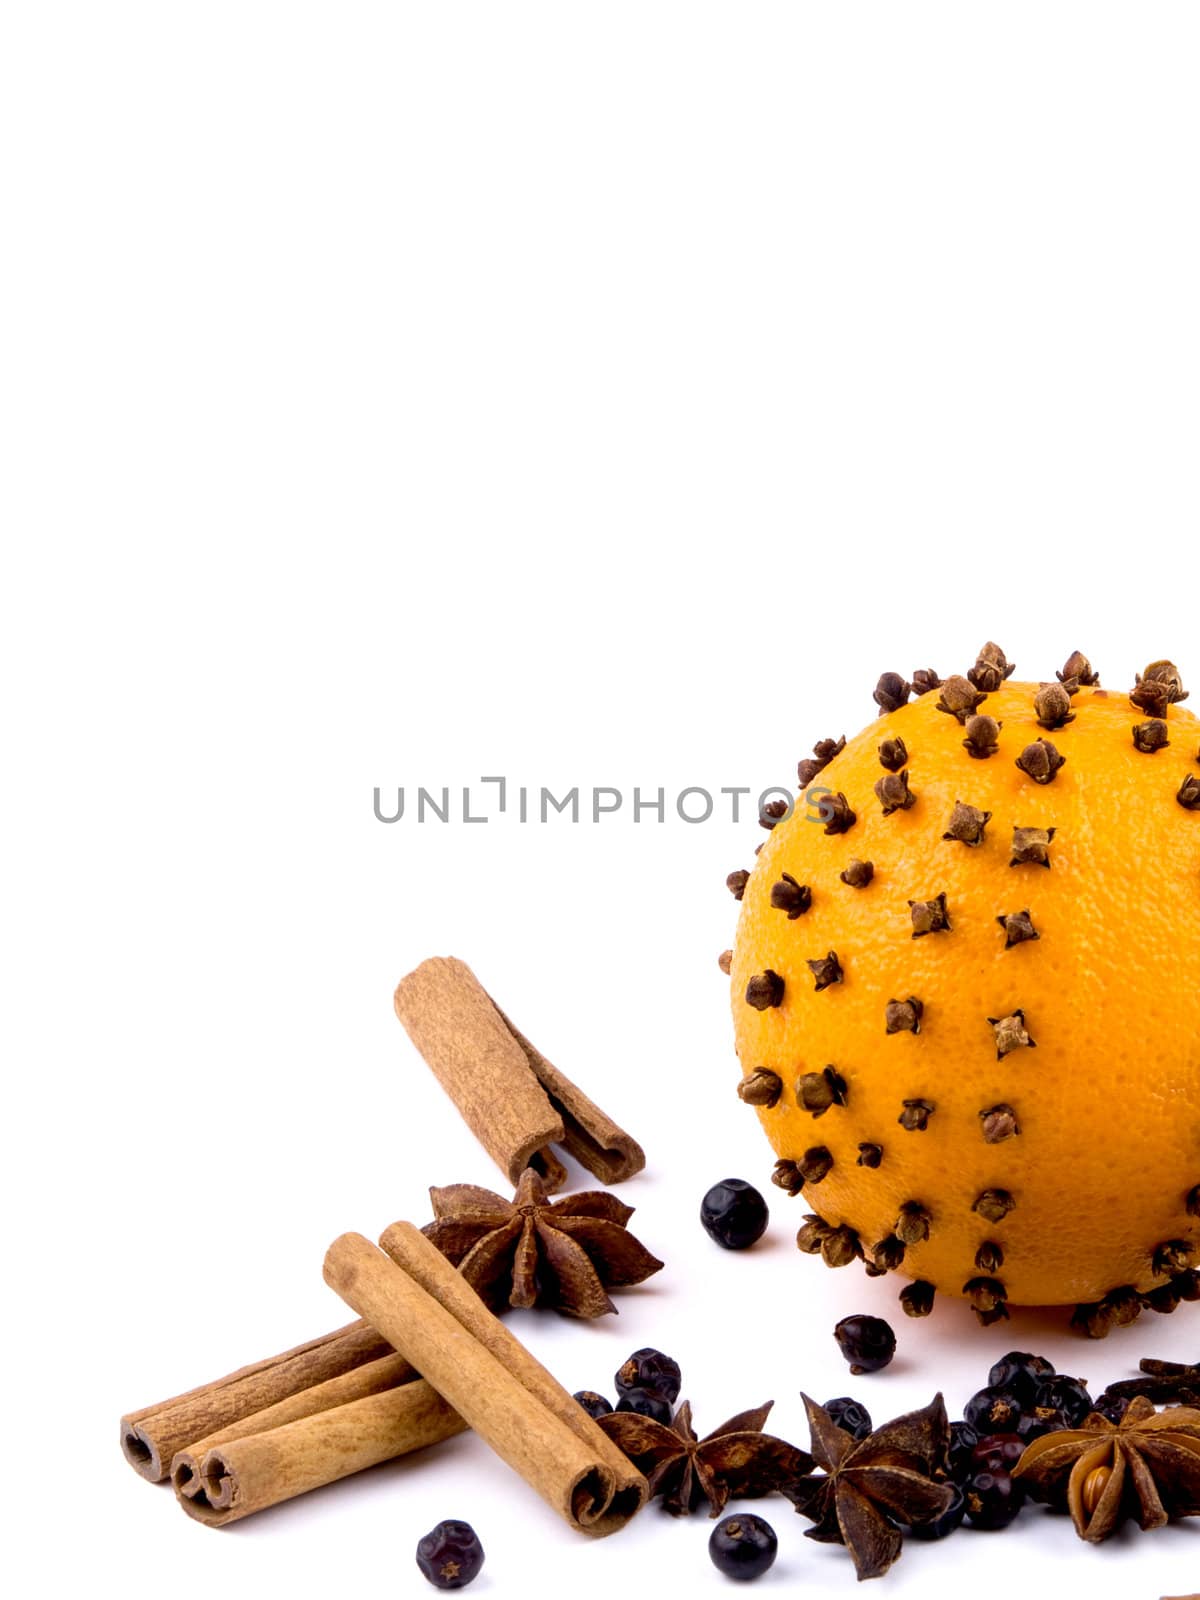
(590, 394)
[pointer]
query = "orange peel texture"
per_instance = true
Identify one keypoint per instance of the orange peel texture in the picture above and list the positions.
(1092, 1130)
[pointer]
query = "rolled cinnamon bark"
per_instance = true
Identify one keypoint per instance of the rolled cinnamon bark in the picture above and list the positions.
(152, 1437)
(515, 1102)
(219, 1482)
(493, 1383)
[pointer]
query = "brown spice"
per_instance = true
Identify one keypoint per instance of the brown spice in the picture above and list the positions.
(893, 754)
(1041, 761)
(774, 812)
(891, 692)
(916, 1114)
(982, 736)
(1011, 1034)
(1157, 688)
(868, 1487)
(925, 680)
(1151, 736)
(810, 1234)
(989, 1258)
(791, 897)
(736, 1460)
(991, 669)
(916, 1298)
(826, 971)
(904, 1016)
(786, 1176)
(994, 1204)
(929, 916)
(985, 1294)
(893, 793)
(1147, 1466)
(725, 961)
(736, 882)
(762, 1087)
(1018, 927)
(818, 1091)
(999, 1123)
(823, 753)
(837, 814)
(959, 698)
(841, 1246)
(535, 1251)
(764, 990)
(857, 874)
(1188, 794)
(1053, 706)
(815, 1164)
(1077, 671)
(1172, 1256)
(912, 1225)
(869, 1155)
(889, 1253)
(966, 824)
(1031, 846)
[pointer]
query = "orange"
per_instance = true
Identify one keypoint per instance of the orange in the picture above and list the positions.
(1096, 1142)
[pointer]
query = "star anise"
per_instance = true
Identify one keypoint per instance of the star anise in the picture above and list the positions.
(564, 1253)
(737, 1460)
(870, 1486)
(1146, 1466)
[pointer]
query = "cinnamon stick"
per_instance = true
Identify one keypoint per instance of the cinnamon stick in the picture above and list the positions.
(150, 1438)
(515, 1101)
(493, 1383)
(225, 1478)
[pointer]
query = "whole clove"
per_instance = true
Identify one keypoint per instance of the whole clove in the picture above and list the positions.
(929, 916)
(893, 755)
(791, 897)
(1031, 846)
(916, 1114)
(891, 692)
(966, 824)
(764, 990)
(1018, 927)
(1041, 761)
(960, 698)
(982, 736)
(736, 883)
(893, 793)
(1150, 736)
(1053, 706)
(857, 874)
(904, 1016)
(826, 971)
(762, 1087)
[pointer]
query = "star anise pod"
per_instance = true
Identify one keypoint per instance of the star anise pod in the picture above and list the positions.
(737, 1460)
(564, 1253)
(870, 1486)
(1146, 1466)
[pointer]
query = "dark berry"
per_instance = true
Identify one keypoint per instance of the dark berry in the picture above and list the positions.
(594, 1404)
(743, 1547)
(1067, 1396)
(993, 1411)
(649, 1369)
(850, 1416)
(993, 1500)
(733, 1213)
(950, 1519)
(1020, 1372)
(997, 1452)
(451, 1555)
(1112, 1406)
(647, 1404)
(963, 1440)
(867, 1343)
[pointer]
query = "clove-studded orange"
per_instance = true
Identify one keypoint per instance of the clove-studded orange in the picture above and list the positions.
(969, 964)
